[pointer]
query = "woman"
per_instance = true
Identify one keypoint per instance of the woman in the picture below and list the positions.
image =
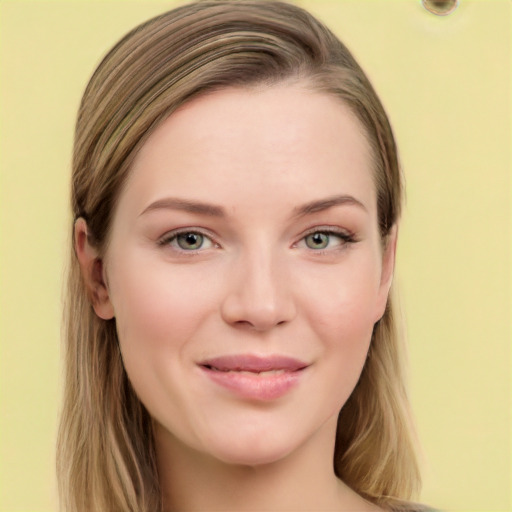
(236, 194)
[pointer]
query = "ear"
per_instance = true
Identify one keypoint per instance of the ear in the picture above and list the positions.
(92, 269)
(387, 270)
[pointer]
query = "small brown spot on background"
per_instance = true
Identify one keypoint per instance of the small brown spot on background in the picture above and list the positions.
(440, 7)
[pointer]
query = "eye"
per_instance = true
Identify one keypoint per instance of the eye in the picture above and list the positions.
(187, 241)
(326, 239)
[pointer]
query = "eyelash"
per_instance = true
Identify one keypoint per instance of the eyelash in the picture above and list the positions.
(345, 237)
(168, 238)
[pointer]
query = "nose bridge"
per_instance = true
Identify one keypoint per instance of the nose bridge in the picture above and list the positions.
(259, 293)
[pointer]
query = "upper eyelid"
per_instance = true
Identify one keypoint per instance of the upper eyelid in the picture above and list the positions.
(334, 230)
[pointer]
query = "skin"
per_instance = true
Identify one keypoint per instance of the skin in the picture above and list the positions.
(259, 284)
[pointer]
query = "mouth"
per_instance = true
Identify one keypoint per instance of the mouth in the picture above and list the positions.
(254, 364)
(260, 378)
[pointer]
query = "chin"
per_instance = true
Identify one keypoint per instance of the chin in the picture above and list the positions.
(251, 457)
(257, 449)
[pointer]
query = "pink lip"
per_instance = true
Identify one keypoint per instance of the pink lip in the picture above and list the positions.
(242, 374)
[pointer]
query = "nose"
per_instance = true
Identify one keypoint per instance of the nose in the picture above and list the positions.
(259, 294)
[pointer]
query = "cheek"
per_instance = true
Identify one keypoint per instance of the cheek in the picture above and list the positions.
(341, 313)
(344, 300)
(158, 312)
(158, 304)
(345, 325)
(159, 316)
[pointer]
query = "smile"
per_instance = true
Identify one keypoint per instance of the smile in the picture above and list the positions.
(255, 377)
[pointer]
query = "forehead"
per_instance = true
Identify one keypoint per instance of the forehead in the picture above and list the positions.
(280, 143)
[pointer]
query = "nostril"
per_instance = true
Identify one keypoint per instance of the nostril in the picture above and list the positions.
(243, 323)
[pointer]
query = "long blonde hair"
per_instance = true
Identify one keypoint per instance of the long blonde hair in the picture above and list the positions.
(106, 454)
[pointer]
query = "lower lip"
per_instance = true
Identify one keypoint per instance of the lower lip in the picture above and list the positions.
(254, 386)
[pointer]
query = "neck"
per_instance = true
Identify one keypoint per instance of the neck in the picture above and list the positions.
(301, 481)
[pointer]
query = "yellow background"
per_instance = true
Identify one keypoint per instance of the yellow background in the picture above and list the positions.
(446, 82)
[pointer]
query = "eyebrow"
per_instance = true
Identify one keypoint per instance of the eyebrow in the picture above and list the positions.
(213, 210)
(187, 206)
(329, 202)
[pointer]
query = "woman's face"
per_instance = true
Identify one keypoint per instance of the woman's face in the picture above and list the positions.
(245, 271)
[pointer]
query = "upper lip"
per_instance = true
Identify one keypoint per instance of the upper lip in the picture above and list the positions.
(254, 363)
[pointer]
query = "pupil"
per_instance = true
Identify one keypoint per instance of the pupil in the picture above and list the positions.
(318, 238)
(190, 240)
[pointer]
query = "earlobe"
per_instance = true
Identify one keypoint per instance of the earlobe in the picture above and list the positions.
(91, 266)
